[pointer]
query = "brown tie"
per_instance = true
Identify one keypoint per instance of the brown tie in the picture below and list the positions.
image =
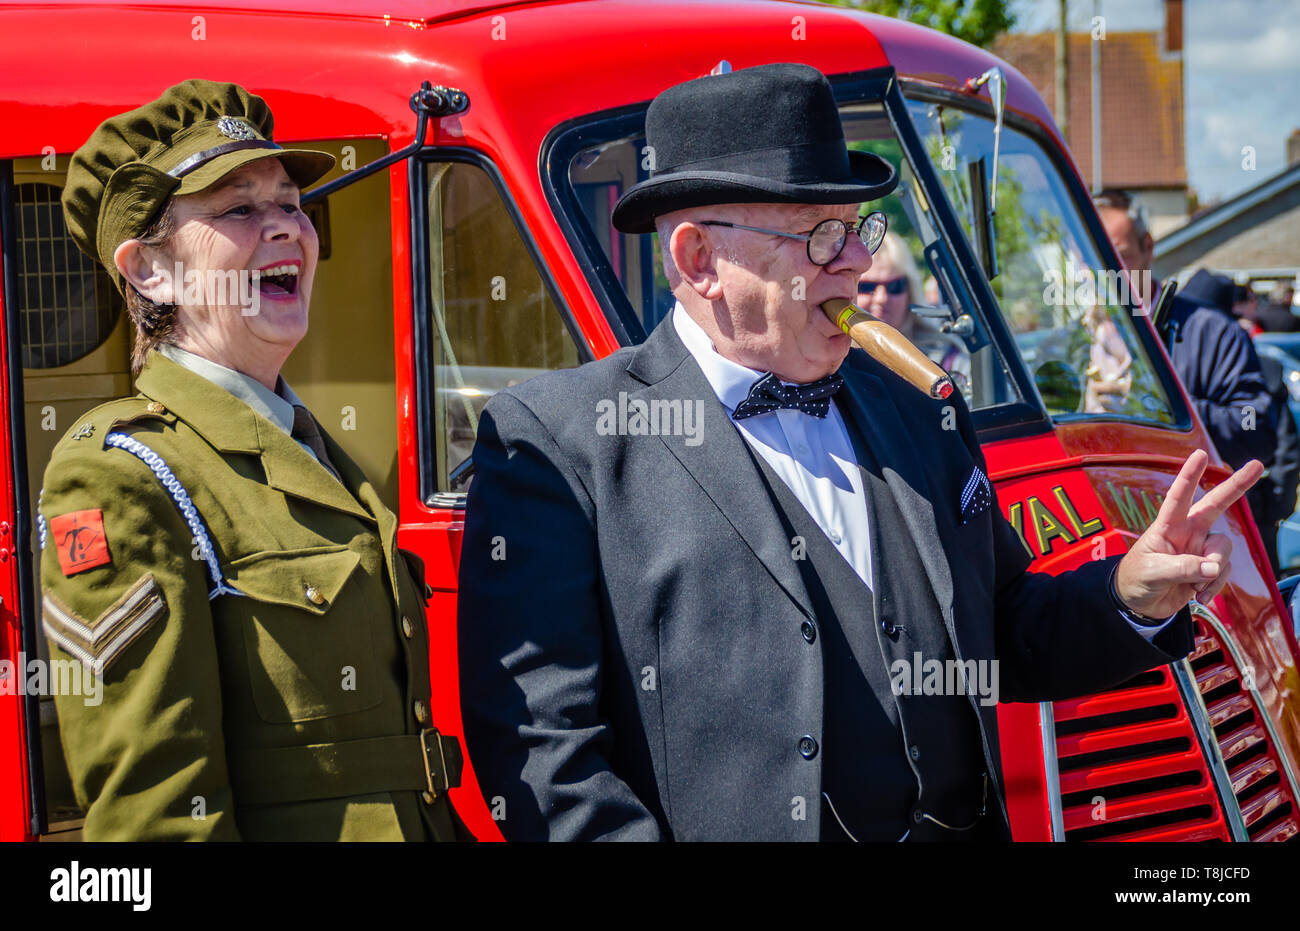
(306, 431)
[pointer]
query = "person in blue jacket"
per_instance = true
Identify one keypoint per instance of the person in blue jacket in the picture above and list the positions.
(1218, 365)
(1212, 354)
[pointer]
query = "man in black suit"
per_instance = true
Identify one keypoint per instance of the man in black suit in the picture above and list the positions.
(701, 578)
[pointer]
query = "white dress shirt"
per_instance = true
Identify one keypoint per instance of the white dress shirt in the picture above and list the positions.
(812, 455)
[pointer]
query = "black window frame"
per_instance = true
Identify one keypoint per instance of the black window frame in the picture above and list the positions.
(25, 559)
(914, 90)
(422, 306)
(1024, 417)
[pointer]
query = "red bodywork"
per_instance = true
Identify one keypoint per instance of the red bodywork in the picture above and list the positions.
(338, 68)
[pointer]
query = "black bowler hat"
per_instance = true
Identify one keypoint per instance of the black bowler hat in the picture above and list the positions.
(769, 134)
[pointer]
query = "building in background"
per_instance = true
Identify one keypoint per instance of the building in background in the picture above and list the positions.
(1254, 237)
(1143, 145)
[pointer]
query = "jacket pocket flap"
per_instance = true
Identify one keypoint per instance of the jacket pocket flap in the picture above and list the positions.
(308, 579)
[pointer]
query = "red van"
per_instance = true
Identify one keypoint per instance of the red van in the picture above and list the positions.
(479, 252)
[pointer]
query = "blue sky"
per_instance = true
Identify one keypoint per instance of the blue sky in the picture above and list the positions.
(1241, 72)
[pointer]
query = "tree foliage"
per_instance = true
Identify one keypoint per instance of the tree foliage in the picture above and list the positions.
(978, 22)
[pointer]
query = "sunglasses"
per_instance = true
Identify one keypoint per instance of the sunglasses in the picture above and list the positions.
(827, 239)
(894, 286)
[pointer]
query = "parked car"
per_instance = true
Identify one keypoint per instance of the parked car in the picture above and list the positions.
(1285, 348)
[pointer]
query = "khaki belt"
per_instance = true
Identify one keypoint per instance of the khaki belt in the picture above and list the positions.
(427, 762)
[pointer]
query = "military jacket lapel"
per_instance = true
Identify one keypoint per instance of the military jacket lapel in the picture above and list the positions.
(291, 470)
(230, 425)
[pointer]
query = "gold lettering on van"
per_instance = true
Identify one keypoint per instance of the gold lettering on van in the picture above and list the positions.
(1136, 510)
(1080, 527)
(1047, 526)
(1016, 515)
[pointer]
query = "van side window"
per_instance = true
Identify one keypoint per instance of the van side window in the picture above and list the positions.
(66, 303)
(494, 321)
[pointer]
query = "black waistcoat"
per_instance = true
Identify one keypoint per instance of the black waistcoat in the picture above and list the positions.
(888, 759)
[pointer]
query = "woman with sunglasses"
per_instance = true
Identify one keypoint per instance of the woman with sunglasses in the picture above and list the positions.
(886, 292)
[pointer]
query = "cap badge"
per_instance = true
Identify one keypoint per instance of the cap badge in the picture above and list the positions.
(235, 128)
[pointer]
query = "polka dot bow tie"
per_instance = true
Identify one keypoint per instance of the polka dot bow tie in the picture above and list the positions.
(769, 394)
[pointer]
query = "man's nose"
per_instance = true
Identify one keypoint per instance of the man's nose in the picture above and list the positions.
(855, 255)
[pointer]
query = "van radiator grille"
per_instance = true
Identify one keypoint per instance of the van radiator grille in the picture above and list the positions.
(1268, 805)
(1132, 768)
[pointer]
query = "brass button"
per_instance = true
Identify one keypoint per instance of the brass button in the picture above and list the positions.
(428, 797)
(421, 711)
(408, 629)
(314, 595)
(156, 408)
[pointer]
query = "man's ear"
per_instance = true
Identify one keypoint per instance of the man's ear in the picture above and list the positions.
(143, 268)
(696, 259)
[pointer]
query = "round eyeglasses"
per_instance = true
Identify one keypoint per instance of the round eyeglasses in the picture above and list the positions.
(827, 239)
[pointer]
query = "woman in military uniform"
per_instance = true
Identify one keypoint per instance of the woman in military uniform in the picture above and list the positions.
(207, 549)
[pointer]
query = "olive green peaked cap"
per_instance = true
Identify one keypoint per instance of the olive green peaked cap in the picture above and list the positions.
(196, 133)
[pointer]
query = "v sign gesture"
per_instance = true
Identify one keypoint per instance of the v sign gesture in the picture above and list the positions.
(1177, 558)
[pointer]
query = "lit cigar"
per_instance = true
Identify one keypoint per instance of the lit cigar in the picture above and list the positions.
(890, 348)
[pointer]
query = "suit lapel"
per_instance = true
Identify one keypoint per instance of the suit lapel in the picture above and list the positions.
(720, 464)
(880, 425)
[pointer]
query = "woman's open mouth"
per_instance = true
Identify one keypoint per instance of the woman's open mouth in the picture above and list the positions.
(279, 281)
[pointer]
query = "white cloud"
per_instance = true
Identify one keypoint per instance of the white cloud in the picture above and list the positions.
(1270, 51)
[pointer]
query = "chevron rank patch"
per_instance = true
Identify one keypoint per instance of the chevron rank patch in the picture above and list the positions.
(99, 642)
(80, 540)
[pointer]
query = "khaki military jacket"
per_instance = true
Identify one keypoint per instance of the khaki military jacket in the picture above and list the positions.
(266, 685)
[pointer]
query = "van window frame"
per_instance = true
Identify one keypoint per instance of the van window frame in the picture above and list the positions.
(422, 336)
(25, 561)
(914, 90)
(1024, 417)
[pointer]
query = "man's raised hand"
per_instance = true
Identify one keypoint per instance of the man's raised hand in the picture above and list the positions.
(1177, 558)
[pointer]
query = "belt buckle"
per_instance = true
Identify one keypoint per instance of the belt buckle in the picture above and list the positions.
(431, 792)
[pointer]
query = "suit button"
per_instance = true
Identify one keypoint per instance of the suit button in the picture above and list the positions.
(421, 711)
(917, 816)
(807, 747)
(408, 629)
(809, 632)
(914, 751)
(890, 629)
(314, 595)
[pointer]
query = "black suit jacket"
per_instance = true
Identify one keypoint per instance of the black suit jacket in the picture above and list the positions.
(630, 611)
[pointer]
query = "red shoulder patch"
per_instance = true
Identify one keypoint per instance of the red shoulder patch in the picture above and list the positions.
(80, 540)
